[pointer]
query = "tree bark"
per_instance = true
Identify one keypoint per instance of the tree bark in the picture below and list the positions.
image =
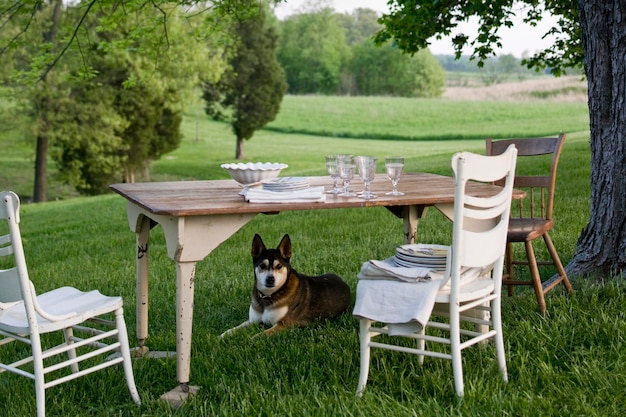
(40, 188)
(239, 148)
(41, 169)
(601, 247)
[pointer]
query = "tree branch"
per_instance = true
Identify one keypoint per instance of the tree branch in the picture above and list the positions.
(69, 42)
(17, 7)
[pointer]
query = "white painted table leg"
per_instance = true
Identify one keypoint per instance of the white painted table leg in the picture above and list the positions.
(411, 215)
(189, 240)
(185, 276)
(143, 240)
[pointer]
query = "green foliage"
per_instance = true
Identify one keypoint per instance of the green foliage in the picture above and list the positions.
(429, 76)
(113, 103)
(359, 26)
(385, 70)
(87, 147)
(255, 86)
(319, 59)
(411, 23)
(313, 50)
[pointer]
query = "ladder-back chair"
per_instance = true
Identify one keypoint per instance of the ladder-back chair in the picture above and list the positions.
(532, 218)
(479, 242)
(82, 317)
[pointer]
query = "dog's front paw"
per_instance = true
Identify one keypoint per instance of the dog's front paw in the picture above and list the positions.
(231, 330)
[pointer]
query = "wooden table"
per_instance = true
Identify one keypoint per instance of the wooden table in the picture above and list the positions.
(196, 216)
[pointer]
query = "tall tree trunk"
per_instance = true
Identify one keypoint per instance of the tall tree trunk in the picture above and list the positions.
(601, 247)
(40, 188)
(239, 148)
(41, 169)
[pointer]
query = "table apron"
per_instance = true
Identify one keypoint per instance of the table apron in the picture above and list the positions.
(190, 238)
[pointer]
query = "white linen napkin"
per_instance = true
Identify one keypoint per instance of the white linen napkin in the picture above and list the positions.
(404, 306)
(260, 195)
(387, 269)
(401, 297)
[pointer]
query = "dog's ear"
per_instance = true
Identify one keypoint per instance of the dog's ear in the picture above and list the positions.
(285, 247)
(257, 246)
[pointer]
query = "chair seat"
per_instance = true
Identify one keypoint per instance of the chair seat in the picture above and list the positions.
(525, 230)
(473, 290)
(63, 301)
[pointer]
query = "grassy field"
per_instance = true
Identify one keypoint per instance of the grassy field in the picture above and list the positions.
(567, 363)
(412, 127)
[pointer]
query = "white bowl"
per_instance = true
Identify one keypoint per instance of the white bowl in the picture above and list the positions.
(253, 172)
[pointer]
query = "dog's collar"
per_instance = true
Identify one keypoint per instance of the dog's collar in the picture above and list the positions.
(263, 296)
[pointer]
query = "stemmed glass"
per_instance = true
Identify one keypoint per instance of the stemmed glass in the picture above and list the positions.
(367, 171)
(395, 166)
(346, 173)
(333, 171)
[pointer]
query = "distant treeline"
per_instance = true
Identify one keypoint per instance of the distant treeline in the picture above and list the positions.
(324, 52)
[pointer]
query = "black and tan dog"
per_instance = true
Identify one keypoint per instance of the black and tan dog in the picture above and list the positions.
(282, 297)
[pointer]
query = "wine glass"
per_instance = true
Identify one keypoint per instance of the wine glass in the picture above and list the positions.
(346, 173)
(395, 166)
(333, 171)
(367, 171)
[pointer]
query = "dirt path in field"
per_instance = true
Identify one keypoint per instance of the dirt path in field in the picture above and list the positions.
(562, 89)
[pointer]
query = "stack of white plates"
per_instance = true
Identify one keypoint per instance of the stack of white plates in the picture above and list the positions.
(422, 255)
(283, 184)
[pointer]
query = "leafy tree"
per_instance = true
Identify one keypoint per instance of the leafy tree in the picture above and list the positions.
(255, 86)
(115, 102)
(313, 50)
(360, 25)
(86, 142)
(49, 44)
(385, 70)
(589, 33)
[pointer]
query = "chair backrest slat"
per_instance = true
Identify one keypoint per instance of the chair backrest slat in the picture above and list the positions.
(14, 281)
(10, 290)
(480, 224)
(539, 201)
(6, 248)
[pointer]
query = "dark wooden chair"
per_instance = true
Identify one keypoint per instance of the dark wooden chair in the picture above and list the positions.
(532, 218)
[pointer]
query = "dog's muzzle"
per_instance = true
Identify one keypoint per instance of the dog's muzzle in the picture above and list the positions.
(270, 282)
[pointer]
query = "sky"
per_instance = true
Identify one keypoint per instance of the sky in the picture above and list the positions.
(516, 41)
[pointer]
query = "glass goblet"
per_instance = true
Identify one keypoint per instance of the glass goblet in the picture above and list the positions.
(394, 166)
(333, 171)
(346, 173)
(367, 171)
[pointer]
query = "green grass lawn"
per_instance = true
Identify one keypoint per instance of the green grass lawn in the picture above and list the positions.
(567, 363)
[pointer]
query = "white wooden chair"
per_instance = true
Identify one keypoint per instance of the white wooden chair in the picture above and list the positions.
(478, 241)
(26, 316)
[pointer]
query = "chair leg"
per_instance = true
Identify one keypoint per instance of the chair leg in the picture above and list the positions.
(536, 279)
(509, 267)
(71, 354)
(421, 345)
(455, 349)
(40, 390)
(496, 321)
(125, 352)
(364, 339)
(557, 262)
